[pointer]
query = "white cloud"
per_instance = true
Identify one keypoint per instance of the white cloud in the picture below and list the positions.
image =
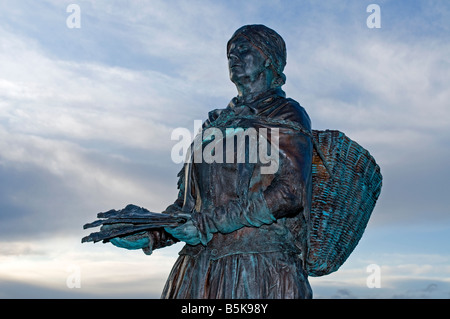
(85, 101)
(377, 82)
(103, 271)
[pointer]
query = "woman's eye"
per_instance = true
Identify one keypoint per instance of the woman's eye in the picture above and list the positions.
(243, 49)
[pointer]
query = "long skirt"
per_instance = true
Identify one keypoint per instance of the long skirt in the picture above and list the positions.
(274, 275)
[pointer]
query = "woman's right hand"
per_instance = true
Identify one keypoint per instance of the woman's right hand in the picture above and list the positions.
(136, 241)
(132, 242)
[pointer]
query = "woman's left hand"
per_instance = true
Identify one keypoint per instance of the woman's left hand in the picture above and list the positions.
(186, 232)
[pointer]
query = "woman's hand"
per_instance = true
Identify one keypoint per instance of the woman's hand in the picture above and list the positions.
(136, 241)
(186, 232)
(131, 242)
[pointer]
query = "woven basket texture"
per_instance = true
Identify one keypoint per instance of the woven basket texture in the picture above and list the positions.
(342, 202)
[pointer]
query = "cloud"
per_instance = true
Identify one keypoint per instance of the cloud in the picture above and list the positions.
(61, 183)
(20, 249)
(404, 289)
(430, 291)
(376, 81)
(73, 143)
(101, 270)
(82, 100)
(343, 294)
(10, 289)
(78, 137)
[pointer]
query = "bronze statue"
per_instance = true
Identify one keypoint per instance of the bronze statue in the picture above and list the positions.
(252, 232)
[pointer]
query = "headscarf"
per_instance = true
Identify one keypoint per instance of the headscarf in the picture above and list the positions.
(268, 42)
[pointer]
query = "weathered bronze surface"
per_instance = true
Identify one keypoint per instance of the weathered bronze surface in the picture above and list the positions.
(257, 223)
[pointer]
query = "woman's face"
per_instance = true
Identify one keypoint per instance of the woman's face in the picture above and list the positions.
(245, 62)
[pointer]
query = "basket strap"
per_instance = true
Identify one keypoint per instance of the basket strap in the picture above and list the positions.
(292, 125)
(321, 155)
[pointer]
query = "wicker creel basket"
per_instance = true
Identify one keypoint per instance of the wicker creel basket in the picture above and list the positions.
(346, 185)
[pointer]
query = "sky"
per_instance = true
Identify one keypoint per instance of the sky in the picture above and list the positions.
(86, 115)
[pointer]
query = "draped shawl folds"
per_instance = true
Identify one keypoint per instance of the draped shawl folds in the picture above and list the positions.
(236, 208)
(254, 227)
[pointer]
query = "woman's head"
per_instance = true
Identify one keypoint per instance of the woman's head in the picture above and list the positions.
(267, 42)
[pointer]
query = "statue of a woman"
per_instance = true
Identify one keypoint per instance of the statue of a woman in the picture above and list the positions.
(247, 232)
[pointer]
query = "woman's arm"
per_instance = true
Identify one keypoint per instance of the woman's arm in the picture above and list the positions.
(285, 196)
